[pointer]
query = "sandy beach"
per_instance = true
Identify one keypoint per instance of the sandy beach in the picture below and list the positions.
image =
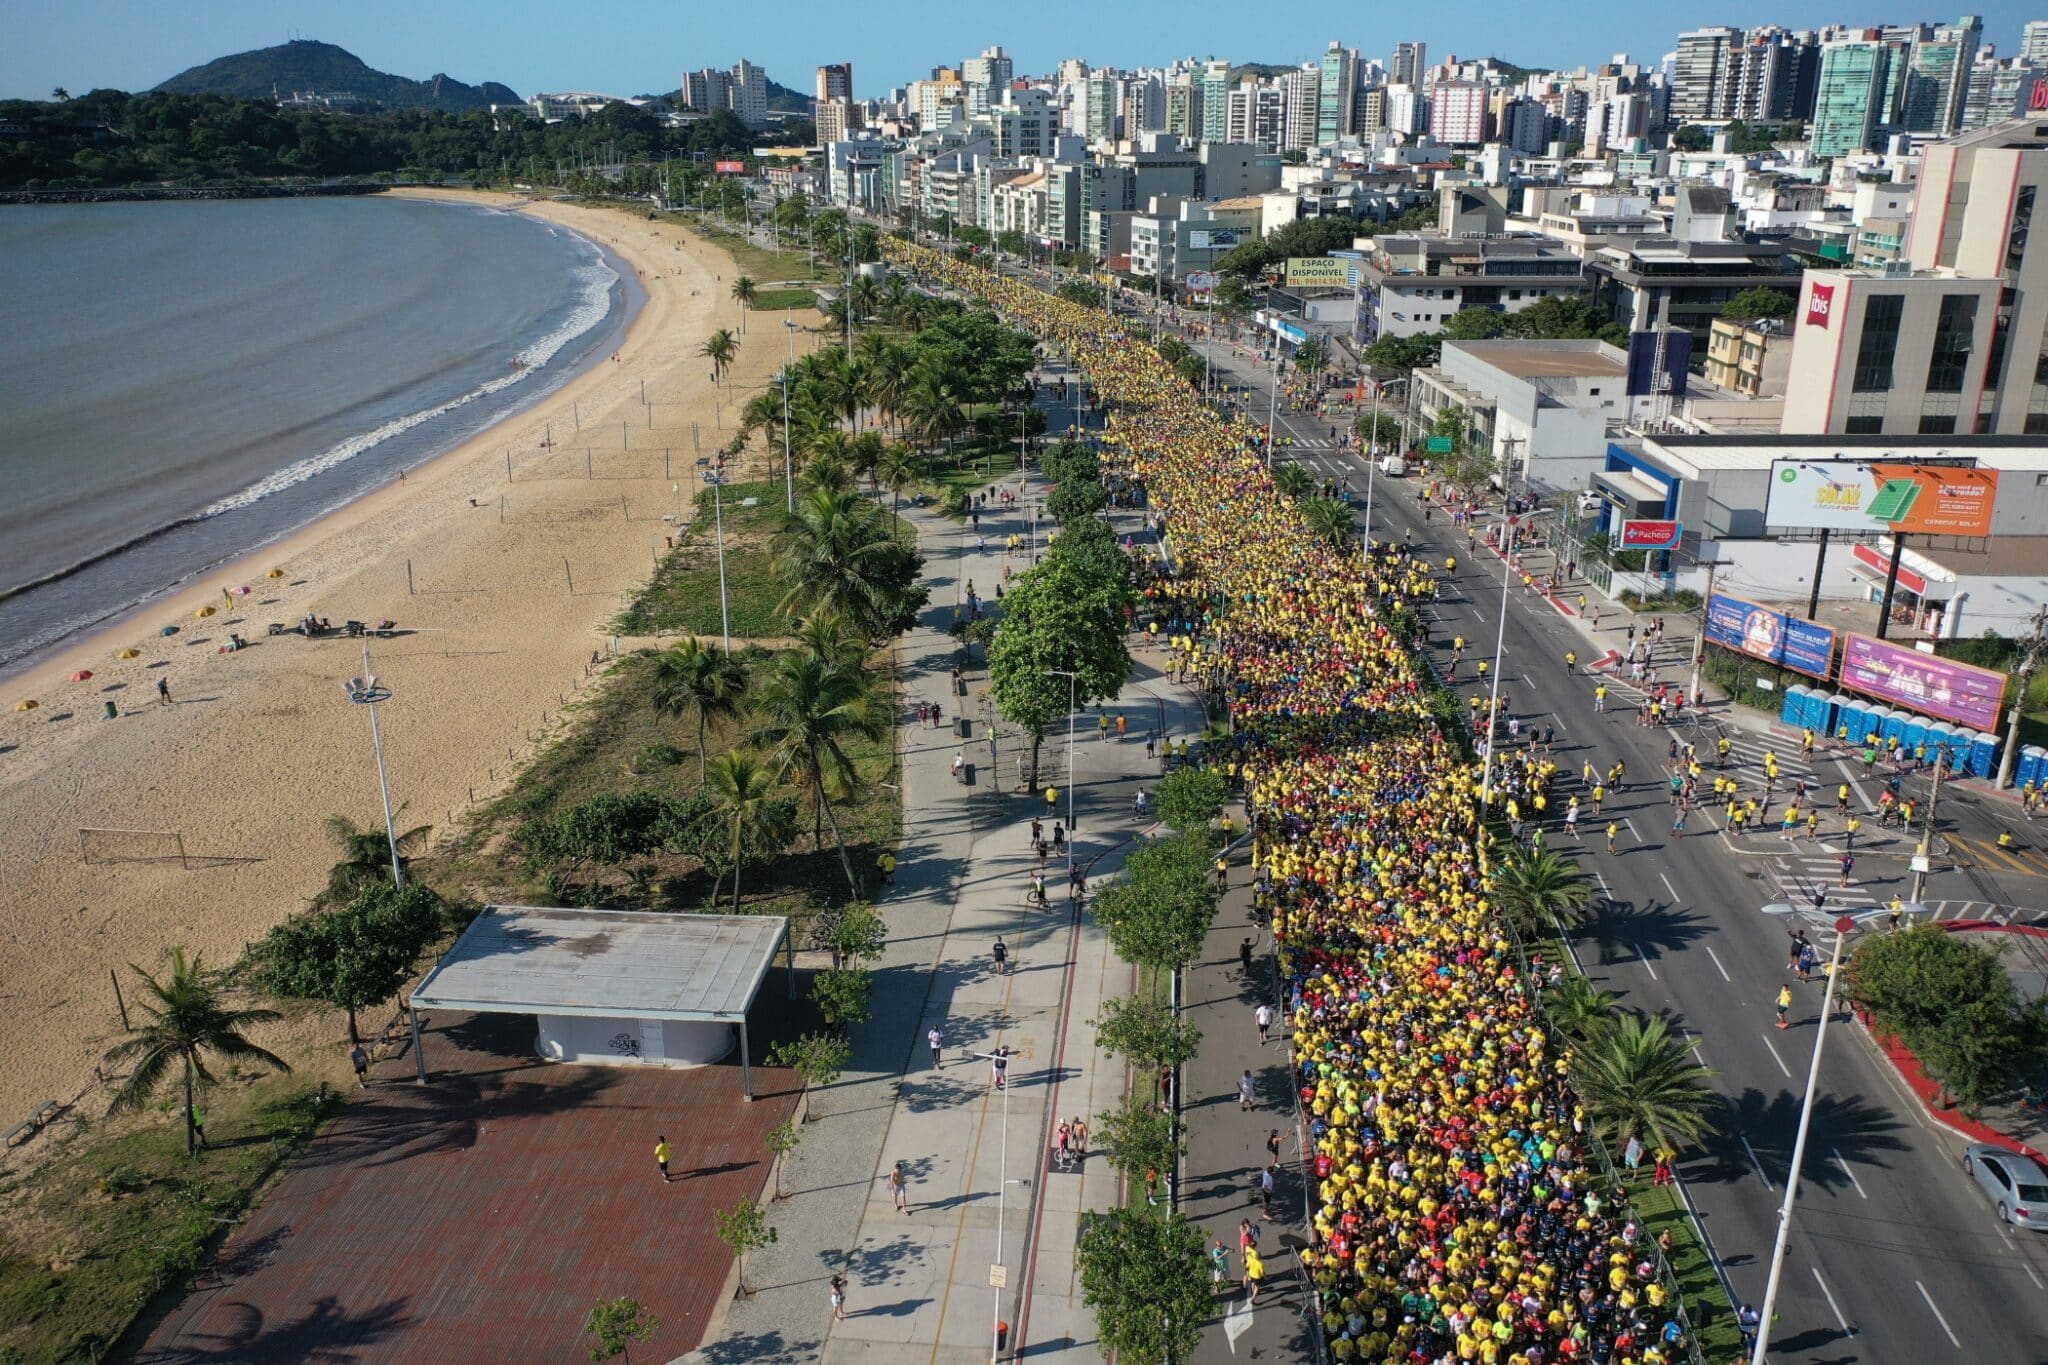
(256, 747)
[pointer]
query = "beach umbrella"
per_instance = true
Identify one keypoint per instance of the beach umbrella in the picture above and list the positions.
(275, 573)
(81, 675)
(206, 611)
(242, 591)
(168, 630)
(129, 653)
(27, 704)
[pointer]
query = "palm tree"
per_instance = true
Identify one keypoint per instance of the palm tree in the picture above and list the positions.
(366, 854)
(896, 471)
(1294, 480)
(829, 472)
(889, 368)
(743, 786)
(864, 454)
(1193, 369)
(810, 707)
(829, 636)
(930, 411)
(744, 293)
(837, 556)
(1638, 1077)
(866, 296)
(693, 678)
(894, 294)
(1578, 1008)
(1540, 893)
(1328, 519)
(185, 1017)
(721, 348)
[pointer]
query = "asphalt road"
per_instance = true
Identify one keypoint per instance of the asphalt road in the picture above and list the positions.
(1895, 1258)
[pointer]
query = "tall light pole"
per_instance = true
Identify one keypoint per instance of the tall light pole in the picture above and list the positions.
(368, 690)
(1844, 925)
(788, 469)
(1073, 684)
(995, 1323)
(716, 478)
(1273, 407)
(1499, 644)
(1372, 459)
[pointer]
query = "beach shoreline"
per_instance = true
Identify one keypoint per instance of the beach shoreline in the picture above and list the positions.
(514, 583)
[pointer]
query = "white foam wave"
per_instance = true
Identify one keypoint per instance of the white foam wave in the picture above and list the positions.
(592, 304)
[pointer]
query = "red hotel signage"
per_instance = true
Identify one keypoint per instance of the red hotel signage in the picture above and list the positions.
(1819, 303)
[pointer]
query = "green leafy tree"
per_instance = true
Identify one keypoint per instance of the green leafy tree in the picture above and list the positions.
(1638, 1077)
(1312, 357)
(756, 819)
(1140, 1136)
(1145, 1031)
(1540, 892)
(1558, 317)
(843, 995)
(1057, 617)
(1295, 480)
(1069, 460)
(1692, 138)
(782, 1140)
(1231, 298)
(854, 933)
(606, 829)
(816, 1058)
(1191, 798)
(1759, 304)
(743, 1228)
(1378, 429)
(185, 1017)
(613, 1325)
(354, 956)
(1475, 324)
(1390, 352)
(1158, 912)
(1147, 1281)
(1954, 1005)
(1075, 499)
(693, 679)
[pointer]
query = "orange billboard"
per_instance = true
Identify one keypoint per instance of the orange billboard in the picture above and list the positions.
(1882, 497)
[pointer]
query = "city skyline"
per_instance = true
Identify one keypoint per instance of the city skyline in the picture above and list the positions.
(532, 47)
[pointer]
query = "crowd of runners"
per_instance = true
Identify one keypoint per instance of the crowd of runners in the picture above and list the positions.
(1455, 1214)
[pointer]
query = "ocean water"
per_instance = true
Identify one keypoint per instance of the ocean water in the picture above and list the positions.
(182, 383)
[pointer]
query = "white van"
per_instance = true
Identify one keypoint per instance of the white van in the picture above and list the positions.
(1393, 466)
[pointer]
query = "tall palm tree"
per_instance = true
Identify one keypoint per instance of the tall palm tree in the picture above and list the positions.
(1638, 1077)
(744, 292)
(894, 294)
(896, 471)
(866, 296)
(1541, 892)
(742, 786)
(837, 555)
(829, 636)
(930, 411)
(1578, 1008)
(692, 678)
(366, 854)
(185, 1017)
(808, 710)
(721, 348)
(864, 454)
(1294, 480)
(1328, 519)
(889, 369)
(829, 472)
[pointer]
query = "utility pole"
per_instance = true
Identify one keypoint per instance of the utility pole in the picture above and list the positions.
(1923, 852)
(1699, 645)
(2022, 676)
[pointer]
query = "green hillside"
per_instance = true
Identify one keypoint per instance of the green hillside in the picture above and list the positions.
(324, 69)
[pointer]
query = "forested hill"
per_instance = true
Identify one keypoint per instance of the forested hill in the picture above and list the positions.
(304, 66)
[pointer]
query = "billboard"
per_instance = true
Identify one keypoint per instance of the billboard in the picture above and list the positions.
(1205, 239)
(1921, 682)
(1770, 635)
(1650, 535)
(1318, 270)
(1201, 281)
(1820, 305)
(1878, 497)
(729, 167)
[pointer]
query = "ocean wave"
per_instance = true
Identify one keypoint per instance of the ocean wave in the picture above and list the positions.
(592, 305)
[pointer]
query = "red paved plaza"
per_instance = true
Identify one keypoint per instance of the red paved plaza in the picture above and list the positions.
(476, 1219)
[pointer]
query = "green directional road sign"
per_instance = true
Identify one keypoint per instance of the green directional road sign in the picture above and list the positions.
(1439, 445)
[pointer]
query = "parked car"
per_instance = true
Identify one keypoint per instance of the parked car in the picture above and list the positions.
(1393, 466)
(2017, 1186)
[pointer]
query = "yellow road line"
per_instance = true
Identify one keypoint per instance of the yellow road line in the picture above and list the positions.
(960, 1229)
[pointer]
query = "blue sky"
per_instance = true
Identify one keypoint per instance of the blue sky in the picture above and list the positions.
(631, 46)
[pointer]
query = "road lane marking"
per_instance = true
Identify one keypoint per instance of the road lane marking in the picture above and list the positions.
(1692, 1041)
(1631, 826)
(1831, 1301)
(1644, 959)
(1846, 1171)
(1774, 1055)
(1717, 964)
(1937, 1314)
(1758, 1164)
(2032, 1276)
(1675, 897)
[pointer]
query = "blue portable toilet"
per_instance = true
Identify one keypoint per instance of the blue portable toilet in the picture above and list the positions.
(1794, 706)
(1983, 753)
(1897, 725)
(2033, 766)
(1914, 732)
(1944, 742)
(1829, 707)
(1853, 712)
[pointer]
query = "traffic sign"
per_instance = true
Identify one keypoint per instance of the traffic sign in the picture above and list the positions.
(1650, 535)
(1438, 445)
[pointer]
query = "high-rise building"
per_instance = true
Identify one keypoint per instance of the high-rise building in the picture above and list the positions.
(1214, 80)
(750, 93)
(1369, 110)
(1337, 78)
(1938, 78)
(1525, 126)
(1144, 106)
(2034, 42)
(1105, 108)
(992, 69)
(1184, 107)
(707, 91)
(1301, 95)
(1410, 64)
(835, 82)
(1849, 105)
(1700, 80)
(1457, 113)
(836, 120)
(1997, 90)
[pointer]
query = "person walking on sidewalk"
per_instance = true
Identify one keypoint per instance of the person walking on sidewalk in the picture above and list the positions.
(1263, 1017)
(661, 1156)
(838, 1298)
(1245, 1089)
(1001, 953)
(932, 1039)
(899, 1189)
(1784, 1004)
(1244, 956)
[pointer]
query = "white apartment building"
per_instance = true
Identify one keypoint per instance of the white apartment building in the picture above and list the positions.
(1458, 113)
(750, 93)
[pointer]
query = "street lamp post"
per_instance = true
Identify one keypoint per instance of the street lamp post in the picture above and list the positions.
(1507, 566)
(788, 470)
(368, 690)
(716, 478)
(1372, 459)
(995, 1324)
(1844, 925)
(1073, 684)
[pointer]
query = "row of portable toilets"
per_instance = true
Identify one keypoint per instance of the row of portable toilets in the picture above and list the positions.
(1969, 751)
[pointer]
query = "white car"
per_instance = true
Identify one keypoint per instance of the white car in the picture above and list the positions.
(1393, 466)
(2016, 1185)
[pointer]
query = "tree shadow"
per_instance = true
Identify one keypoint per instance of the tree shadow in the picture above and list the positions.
(1652, 929)
(1847, 1124)
(325, 1330)
(757, 1346)
(877, 1262)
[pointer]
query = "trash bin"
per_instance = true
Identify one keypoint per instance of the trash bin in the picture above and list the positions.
(967, 775)
(964, 726)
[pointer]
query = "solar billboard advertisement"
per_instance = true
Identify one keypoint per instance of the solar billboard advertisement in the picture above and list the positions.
(1922, 682)
(1881, 497)
(1773, 636)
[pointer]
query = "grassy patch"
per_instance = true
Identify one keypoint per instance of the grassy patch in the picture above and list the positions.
(750, 258)
(617, 743)
(97, 1231)
(780, 300)
(970, 468)
(682, 595)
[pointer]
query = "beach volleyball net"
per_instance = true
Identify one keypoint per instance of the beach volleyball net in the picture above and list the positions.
(96, 846)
